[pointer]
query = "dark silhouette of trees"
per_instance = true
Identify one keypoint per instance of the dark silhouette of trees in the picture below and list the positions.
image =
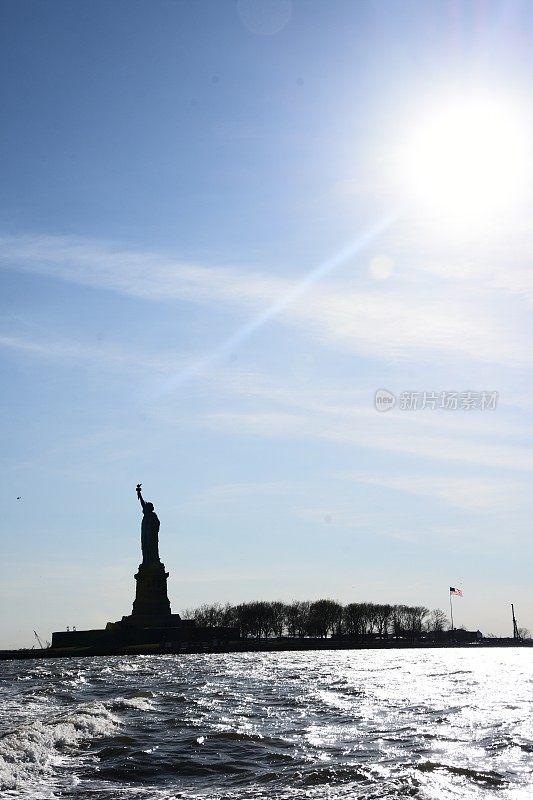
(437, 621)
(416, 616)
(365, 619)
(254, 619)
(324, 617)
(277, 617)
(321, 618)
(297, 618)
(383, 620)
(399, 620)
(209, 616)
(353, 619)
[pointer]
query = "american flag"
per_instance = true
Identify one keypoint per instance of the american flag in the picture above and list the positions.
(458, 592)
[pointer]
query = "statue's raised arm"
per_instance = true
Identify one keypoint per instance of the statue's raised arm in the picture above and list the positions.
(139, 495)
(149, 531)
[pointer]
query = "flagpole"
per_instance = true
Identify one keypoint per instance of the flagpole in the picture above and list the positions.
(451, 610)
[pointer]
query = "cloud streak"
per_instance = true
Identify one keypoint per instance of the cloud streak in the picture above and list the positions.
(60, 349)
(475, 494)
(392, 438)
(401, 321)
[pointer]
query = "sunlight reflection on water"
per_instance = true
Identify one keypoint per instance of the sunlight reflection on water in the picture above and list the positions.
(359, 724)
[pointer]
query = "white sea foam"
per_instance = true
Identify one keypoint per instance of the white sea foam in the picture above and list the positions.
(140, 702)
(30, 751)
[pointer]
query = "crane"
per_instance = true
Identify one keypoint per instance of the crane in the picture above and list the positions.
(516, 632)
(41, 645)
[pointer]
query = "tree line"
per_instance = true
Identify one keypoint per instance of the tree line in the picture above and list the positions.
(321, 618)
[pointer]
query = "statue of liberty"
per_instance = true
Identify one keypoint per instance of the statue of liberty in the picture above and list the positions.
(149, 531)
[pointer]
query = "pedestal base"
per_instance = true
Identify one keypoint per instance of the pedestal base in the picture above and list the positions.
(151, 598)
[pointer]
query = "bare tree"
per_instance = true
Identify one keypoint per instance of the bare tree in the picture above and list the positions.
(229, 616)
(370, 617)
(437, 621)
(297, 618)
(416, 616)
(209, 615)
(246, 620)
(277, 617)
(261, 618)
(400, 620)
(353, 619)
(324, 617)
(383, 620)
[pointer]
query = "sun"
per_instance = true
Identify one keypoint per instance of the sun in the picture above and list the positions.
(467, 160)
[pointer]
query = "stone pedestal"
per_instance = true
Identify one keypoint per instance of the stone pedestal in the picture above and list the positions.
(151, 598)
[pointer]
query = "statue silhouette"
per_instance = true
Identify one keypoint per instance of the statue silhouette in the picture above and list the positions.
(149, 531)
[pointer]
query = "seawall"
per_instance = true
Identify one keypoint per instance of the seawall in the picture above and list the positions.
(250, 646)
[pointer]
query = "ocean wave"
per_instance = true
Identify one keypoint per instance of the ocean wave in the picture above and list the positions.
(141, 702)
(488, 778)
(33, 749)
(331, 775)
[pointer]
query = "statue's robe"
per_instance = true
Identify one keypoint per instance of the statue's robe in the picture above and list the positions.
(150, 537)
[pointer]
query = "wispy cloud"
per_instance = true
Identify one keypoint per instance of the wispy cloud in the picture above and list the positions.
(228, 498)
(479, 493)
(227, 492)
(62, 349)
(152, 276)
(392, 439)
(498, 263)
(262, 406)
(390, 322)
(390, 525)
(287, 409)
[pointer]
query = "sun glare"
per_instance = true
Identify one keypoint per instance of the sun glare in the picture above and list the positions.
(467, 161)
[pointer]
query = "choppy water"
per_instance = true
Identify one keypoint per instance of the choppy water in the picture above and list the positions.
(356, 724)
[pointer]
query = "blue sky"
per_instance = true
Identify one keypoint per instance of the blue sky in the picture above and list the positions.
(209, 266)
